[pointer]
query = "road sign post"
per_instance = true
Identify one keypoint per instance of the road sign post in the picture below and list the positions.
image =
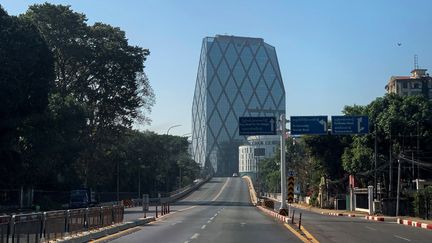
(249, 126)
(283, 206)
(290, 189)
(312, 125)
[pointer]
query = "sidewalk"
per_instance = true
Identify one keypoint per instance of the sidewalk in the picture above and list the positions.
(358, 214)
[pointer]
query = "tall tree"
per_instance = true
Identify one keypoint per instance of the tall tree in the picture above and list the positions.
(26, 77)
(98, 68)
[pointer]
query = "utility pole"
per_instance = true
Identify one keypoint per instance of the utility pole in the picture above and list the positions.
(375, 162)
(418, 147)
(118, 181)
(398, 187)
(180, 178)
(390, 166)
(139, 182)
(283, 206)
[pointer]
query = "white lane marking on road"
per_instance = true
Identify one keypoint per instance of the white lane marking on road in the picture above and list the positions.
(221, 190)
(195, 236)
(370, 228)
(211, 218)
(400, 237)
(208, 222)
(215, 214)
(203, 227)
(186, 241)
(242, 224)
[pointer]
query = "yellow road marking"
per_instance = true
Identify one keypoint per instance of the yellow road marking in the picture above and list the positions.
(221, 190)
(117, 235)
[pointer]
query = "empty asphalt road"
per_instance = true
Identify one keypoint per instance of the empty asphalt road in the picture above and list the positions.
(220, 211)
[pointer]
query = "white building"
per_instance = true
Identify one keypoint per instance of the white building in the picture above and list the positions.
(258, 148)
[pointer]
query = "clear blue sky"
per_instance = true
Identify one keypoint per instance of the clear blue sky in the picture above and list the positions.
(331, 53)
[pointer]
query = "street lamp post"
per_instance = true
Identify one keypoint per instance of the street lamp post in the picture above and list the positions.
(139, 178)
(171, 128)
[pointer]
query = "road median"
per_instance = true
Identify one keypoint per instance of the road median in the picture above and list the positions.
(296, 228)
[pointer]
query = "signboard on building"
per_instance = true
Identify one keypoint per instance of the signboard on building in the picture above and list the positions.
(259, 151)
(249, 126)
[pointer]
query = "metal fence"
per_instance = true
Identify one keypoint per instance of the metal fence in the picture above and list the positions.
(47, 226)
(4, 228)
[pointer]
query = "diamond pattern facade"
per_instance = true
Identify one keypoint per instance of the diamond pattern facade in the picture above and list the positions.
(237, 76)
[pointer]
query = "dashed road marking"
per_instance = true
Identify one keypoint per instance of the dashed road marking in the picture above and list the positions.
(400, 237)
(215, 214)
(195, 236)
(186, 241)
(209, 221)
(203, 227)
(211, 218)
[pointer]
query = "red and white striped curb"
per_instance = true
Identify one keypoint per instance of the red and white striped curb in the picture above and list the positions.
(414, 223)
(274, 214)
(376, 218)
(340, 214)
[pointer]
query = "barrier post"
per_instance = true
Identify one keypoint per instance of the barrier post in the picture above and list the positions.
(156, 211)
(67, 222)
(300, 221)
(12, 227)
(292, 218)
(43, 225)
(145, 203)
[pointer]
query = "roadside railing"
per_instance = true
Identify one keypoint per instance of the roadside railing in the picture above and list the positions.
(4, 228)
(52, 225)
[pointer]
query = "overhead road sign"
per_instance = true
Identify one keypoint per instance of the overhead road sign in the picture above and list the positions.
(346, 125)
(304, 125)
(249, 126)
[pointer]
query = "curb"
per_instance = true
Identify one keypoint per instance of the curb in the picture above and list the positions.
(302, 234)
(375, 218)
(340, 214)
(88, 236)
(414, 223)
(252, 191)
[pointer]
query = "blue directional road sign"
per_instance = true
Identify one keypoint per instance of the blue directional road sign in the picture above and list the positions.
(345, 125)
(249, 126)
(308, 125)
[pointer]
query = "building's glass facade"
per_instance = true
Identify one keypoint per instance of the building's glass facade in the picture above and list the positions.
(237, 76)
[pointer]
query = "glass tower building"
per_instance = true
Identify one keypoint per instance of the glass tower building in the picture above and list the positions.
(237, 76)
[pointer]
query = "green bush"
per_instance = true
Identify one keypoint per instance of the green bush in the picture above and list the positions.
(423, 203)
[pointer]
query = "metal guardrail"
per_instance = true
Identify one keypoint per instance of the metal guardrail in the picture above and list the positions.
(26, 227)
(55, 224)
(4, 228)
(51, 225)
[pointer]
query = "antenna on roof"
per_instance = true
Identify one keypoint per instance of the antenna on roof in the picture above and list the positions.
(416, 66)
